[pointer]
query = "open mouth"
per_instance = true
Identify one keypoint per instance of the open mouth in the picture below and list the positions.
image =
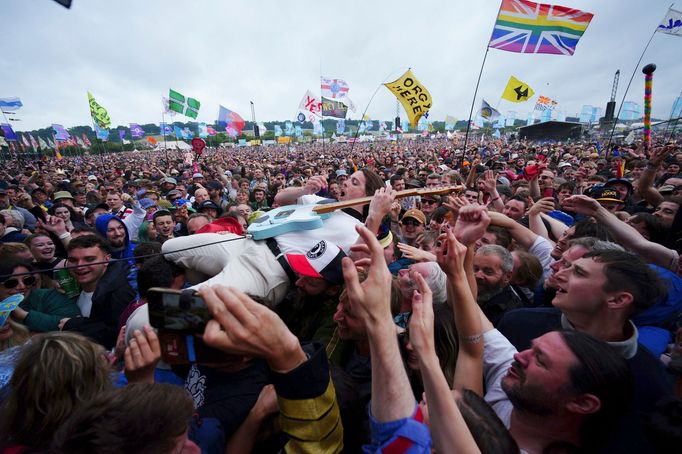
(560, 290)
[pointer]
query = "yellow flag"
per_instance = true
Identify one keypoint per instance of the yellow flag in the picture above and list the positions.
(414, 97)
(517, 91)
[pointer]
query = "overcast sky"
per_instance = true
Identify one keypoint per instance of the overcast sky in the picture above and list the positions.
(129, 53)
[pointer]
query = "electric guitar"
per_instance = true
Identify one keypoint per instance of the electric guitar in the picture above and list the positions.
(292, 218)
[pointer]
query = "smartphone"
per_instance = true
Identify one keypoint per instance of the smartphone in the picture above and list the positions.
(181, 311)
(180, 316)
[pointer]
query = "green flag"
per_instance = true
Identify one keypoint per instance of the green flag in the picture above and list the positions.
(99, 114)
(187, 106)
(176, 101)
(192, 107)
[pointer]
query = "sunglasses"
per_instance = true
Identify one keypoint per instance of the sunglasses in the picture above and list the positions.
(428, 202)
(411, 222)
(13, 282)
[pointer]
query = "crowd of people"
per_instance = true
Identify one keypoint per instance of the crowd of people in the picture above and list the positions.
(513, 297)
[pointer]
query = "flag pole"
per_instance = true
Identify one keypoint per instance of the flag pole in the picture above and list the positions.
(634, 71)
(672, 112)
(163, 132)
(473, 101)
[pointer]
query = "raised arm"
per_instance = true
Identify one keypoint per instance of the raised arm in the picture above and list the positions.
(448, 428)
(646, 180)
(523, 236)
(289, 196)
(626, 235)
(469, 368)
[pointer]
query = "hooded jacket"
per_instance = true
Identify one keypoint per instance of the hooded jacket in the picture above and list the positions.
(102, 223)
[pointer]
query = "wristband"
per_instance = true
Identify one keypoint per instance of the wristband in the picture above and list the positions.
(475, 339)
(64, 235)
(496, 198)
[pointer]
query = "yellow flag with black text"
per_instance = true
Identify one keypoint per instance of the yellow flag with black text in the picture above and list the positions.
(517, 91)
(414, 97)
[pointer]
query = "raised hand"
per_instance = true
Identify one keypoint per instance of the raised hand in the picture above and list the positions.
(371, 299)
(471, 224)
(455, 204)
(450, 255)
(415, 254)
(543, 205)
(242, 326)
(489, 182)
(142, 355)
(315, 184)
(582, 204)
(421, 321)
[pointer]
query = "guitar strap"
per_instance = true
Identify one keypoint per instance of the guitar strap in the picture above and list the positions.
(279, 256)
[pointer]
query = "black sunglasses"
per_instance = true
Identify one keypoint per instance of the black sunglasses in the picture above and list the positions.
(13, 282)
(411, 222)
(427, 201)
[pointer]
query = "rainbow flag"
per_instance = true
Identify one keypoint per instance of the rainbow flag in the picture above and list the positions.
(538, 28)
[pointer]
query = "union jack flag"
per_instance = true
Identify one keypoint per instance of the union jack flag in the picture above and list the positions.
(537, 28)
(333, 88)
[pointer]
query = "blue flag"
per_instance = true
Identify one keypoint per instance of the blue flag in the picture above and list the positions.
(187, 134)
(203, 130)
(9, 132)
(278, 130)
(121, 134)
(10, 104)
(288, 128)
(340, 126)
(102, 134)
(165, 129)
(60, 133)
(297, 131)
(178, 132)
(136, 131)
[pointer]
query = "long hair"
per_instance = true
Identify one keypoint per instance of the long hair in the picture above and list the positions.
(54, 374)
(372, 181)
(20, 334)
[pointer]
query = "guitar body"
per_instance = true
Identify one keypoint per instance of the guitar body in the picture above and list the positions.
(289, 218)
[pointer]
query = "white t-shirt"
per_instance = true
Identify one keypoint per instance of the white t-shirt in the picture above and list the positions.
(498, 354)
(85, 303)
(338, 229)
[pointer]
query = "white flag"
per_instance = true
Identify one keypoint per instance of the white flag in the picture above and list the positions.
(349, 102)
(488, 112)
(333, 88)
(311, 103)
(166, 109)
(672, 23)
(630, 138)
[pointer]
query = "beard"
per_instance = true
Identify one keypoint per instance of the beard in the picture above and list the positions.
(118, 243)
(529, 399)
(486, 291)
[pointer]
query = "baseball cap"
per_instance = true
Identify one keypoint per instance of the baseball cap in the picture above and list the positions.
(341, 172)
(197, 175)
(622, 181)
(147, 203)
(322, 261)
(415, 214)
(208, 204)
(92, 178)
(215, 185)
(169, 180)
(223, 226)
(604, 194)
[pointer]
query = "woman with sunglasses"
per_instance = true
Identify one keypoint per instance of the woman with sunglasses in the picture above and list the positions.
(41, 309)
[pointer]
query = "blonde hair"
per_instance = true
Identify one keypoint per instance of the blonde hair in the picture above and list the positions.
(54, 373)
(20, 334)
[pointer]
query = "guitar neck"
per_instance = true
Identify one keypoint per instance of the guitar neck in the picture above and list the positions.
(330, 207)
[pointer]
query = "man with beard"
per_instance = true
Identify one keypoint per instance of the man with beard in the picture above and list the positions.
(116, 233)
(308, 311)
(493, 266)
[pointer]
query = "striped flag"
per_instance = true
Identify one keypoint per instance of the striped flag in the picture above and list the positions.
(537, 28)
